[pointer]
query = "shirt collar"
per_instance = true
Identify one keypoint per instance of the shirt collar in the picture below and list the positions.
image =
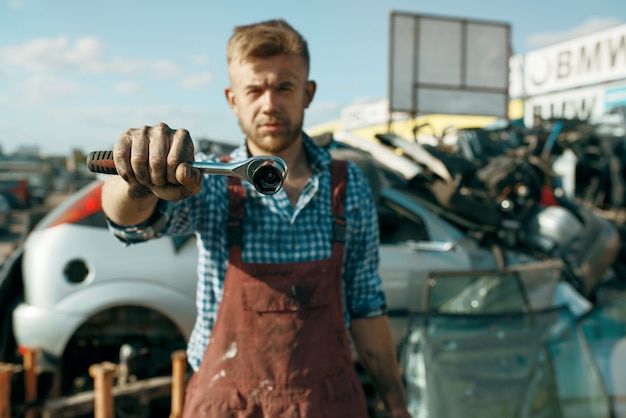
(319, 158)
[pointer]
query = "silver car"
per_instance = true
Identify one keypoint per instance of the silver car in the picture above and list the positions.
(86, 295)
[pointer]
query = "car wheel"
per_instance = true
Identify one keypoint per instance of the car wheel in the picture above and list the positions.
(147, 338)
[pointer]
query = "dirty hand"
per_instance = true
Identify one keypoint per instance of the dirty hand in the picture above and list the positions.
(153, 159)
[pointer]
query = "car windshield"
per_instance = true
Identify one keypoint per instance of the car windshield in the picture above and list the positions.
(493, 342)
(520, 288)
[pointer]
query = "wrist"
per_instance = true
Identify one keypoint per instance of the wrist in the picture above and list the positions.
(151, 228)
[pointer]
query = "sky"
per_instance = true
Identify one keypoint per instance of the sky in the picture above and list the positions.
(75, 74)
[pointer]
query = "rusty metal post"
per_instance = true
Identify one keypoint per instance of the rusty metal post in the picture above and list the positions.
(102, 374)
(179, 365)
(29, 361)
(6, 371)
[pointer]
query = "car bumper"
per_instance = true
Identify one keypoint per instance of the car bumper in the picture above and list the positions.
(37, 327)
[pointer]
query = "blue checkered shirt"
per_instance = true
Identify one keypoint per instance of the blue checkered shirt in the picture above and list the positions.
(276, 232)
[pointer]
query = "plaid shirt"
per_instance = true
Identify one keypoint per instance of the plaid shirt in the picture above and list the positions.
(274, 232)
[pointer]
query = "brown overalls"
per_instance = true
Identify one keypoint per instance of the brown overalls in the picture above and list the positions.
(279, 347)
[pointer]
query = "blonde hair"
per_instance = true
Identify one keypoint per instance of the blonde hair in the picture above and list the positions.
(266, 39)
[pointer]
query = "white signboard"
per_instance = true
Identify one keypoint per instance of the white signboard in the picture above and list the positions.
(448, 66)
(583, 103)
(593, 59)
(364, 114)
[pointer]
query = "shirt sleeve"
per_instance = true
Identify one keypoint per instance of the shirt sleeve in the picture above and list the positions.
(152, 228)
(364, 295)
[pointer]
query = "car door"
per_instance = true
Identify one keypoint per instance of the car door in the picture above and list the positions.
(413, 242)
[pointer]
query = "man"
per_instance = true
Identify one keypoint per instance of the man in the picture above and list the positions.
(280, 276)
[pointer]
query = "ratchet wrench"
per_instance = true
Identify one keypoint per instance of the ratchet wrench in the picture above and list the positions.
(265, 173)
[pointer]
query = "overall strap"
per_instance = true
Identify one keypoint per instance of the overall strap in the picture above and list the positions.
(339, 183)
(236, 209)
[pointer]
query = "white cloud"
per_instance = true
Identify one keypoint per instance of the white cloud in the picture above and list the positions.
(45, 55)
(591, 25)
(129, 88)
(107, 123)
(41, 89)
(16, 4)
(85, 49)
(163, 68)
(39, 55)
(63, 128)
(365, 100)
(123, 117)
(158, 68)
(200, 60)
(197, 81)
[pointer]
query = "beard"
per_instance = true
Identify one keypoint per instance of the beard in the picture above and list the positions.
(273, 143)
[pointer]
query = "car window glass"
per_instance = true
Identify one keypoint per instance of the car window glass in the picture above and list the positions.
(471, 293)
(398, 225)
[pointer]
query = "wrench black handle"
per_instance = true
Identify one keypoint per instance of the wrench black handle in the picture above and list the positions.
(266, 177)
(101, 162)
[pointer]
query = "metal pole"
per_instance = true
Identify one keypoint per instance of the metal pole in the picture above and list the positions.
(102, 374)
(179, 365)
(29, 360)
(6, 371)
